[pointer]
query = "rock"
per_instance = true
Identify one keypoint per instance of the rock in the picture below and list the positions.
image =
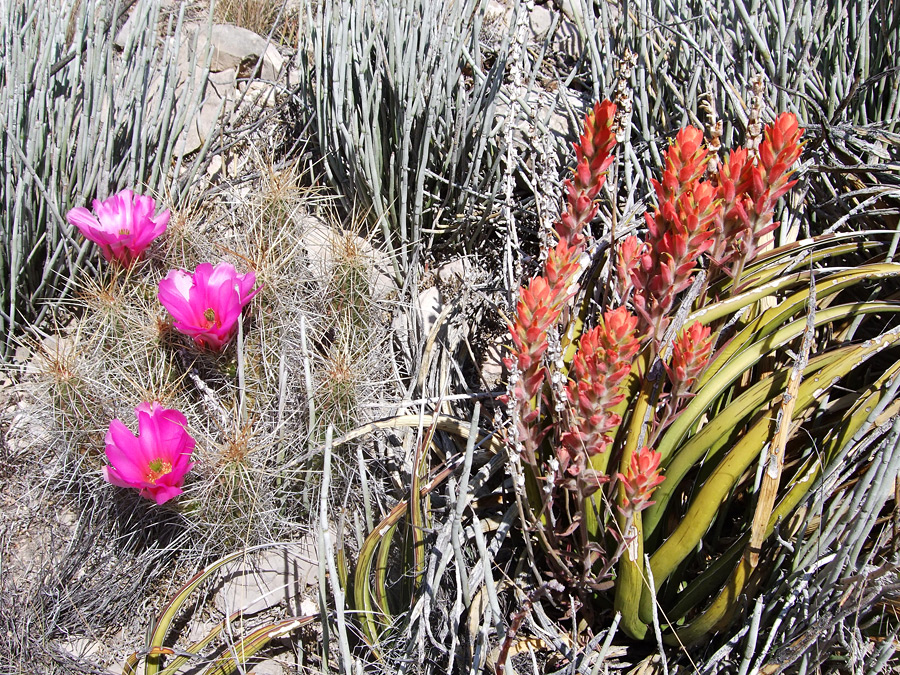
(429, 305)
(492, 363)
(541, 20)
(453, 271)
(239, 48)
(216, 164)
(125, 31)
(222, 82)
(202, 125)
(278, 575)
(324, 245)
(261, 93)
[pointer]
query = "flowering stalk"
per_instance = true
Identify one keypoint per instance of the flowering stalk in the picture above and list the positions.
(640, 480)
(600, 366)
(536, 314)
(750, 191)
(594, 155)
(691, 352)
(679, 231)
(542, 303)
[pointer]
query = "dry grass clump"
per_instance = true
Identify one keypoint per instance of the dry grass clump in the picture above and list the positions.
(262, 17)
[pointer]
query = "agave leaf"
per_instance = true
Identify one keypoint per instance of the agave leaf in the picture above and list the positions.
(705, 505)
(362, 587)
(774, 263)
(195, 648)
(630, 582)
(699, 591)
(741, 362)
(787, 307)
(379, 540)
(715, 434)
(236, 656)
(771, 271)
(164, 622)
(720, 611)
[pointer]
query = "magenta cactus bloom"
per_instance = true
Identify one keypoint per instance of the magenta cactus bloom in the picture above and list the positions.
(207, 304)
(123, 227)
(156, 460)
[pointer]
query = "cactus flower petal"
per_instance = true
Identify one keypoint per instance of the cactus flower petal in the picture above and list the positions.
(207, 304)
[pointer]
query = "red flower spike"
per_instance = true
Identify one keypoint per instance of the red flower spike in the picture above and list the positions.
(641, 479)
(732, 223)
(594, 149)
(690, 354)
(561, 272)
(679, 231)
(594, 154)
(685, 162)
(534, 317)
(600, 366)
(763, 185)
(780, 148)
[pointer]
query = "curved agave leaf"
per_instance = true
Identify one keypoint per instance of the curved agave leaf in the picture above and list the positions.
(728, 372)
(237, 655)
(720, 611)
(375, 616)
(717, 433)
(705, 505)
(161, 628)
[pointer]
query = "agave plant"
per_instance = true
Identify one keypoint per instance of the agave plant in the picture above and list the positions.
(712, 358)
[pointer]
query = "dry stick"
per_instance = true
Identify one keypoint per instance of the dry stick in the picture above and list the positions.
(607, 643)
(326, 551)
(307, 375)
(656, 629)
(774, 461)
(752, 637)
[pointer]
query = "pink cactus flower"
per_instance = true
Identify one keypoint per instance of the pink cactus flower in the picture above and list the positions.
(123, 227)
(207, 304)
(156, 460)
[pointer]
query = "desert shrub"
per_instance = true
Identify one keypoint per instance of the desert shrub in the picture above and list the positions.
(403, 102)
(79, 124)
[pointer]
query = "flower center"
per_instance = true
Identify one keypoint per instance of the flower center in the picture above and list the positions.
(156, 469)
(210, 315)
(124, 232)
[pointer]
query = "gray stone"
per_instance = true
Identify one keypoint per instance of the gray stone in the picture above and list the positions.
(453, 271)
(284, 575)
(541, 19)
(261, 93)
(202, 125)
(239, 48)
(324, 244)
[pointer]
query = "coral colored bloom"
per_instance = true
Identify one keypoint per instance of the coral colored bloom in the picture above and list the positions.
(207, 304)
(123, 227)
(690, 354)
(156, 460)
(641, 479)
